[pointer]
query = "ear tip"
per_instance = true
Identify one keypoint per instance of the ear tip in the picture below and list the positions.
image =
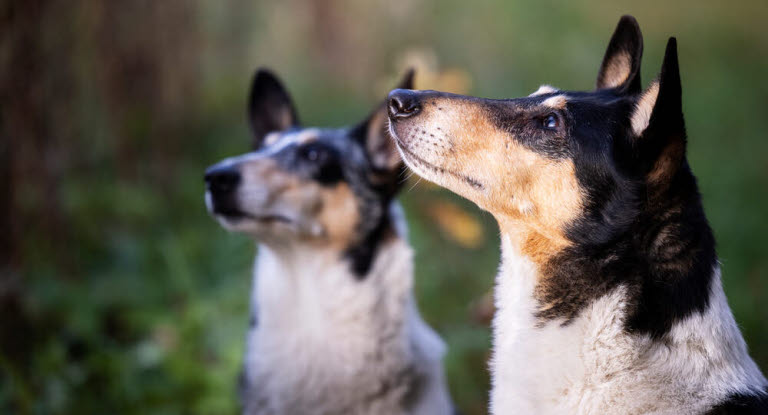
(407, 80)
(264, 74)
(670, 54)
(628, 24)
(672, 44)
(628, 36)
(628, 19)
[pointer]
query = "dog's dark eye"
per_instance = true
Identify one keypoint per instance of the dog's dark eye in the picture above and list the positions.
(550, 121)
(314, 154)
(321, 163)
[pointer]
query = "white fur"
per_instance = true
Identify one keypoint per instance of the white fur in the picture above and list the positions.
(641, 117)
(274, 143)
(593, 366)
(544, 89)
(557, 101)
(328, 343)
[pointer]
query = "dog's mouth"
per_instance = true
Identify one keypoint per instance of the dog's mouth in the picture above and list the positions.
(414, 159)
(228, 211)
(234, 215)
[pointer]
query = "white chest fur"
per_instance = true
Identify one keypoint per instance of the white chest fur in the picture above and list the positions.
(592, 365)
(327, 342)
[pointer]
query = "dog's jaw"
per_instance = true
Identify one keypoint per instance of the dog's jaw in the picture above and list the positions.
(433, 171)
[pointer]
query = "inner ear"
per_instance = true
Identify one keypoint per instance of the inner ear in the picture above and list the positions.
(621, 64)
(658, 122)
(641, 116)
(373, 133)
(659, 110)
(380, 148)
(269, 107)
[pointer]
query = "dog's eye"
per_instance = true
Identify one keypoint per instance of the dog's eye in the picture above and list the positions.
(314, 154)
(550, 121)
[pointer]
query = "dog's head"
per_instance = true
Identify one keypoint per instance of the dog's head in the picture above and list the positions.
(330, 186)
(542, 163)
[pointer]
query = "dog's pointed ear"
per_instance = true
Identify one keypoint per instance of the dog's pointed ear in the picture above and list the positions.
(621, 64)
(269, 107)
(657, 120)
(380, 148)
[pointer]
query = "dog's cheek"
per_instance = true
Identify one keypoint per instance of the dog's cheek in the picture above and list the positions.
(339, 214)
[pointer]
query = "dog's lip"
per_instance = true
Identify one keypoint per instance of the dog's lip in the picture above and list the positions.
(264, 218)
(472, 182)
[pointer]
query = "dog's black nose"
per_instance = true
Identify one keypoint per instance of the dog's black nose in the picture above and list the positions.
(222, 179)
(403, 103)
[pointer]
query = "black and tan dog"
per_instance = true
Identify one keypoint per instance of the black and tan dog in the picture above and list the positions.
(609, 295)
(334, 326)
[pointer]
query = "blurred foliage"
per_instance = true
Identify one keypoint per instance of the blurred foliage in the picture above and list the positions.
(119, 295)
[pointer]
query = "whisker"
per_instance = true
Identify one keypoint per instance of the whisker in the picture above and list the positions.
(408, 174)
(414, 185)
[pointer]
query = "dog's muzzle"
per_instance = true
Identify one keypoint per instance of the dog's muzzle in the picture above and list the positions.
(222, 182)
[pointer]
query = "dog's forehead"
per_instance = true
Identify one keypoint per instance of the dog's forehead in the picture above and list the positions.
(555, 99)
(277, 141)
(293, 136)
(560, 99)
(340, 140)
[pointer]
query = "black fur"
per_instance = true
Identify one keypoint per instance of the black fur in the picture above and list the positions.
(356, 156)
(382, 180)
(650, 235)
(336, 157)
(643, 226)
(253, 321)
(269, 106)
(626, 39)
(741, 404)
(321, 160)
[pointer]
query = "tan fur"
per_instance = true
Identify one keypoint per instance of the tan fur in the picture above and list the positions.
(330, 210)
(644, 108)
(339, 214)
(666, 166)
(556, 102)
(544, 89)
(531, 196)
(617, 70)
(379, 144)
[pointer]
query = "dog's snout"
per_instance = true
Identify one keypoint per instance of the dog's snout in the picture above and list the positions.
(403, 103)
(222, 179)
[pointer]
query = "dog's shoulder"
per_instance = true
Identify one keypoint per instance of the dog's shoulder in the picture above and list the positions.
(742, 403)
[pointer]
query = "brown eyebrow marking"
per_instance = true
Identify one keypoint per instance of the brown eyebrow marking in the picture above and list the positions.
(556, 102)
(543, 90)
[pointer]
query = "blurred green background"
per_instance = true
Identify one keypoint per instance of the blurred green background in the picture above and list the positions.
(118, 294)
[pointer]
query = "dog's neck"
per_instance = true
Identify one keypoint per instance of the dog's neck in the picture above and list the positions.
(314, 318)
(306, 288)
(593, 363)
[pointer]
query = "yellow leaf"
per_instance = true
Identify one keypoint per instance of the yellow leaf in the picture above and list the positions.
(429, 74)
(458, 225)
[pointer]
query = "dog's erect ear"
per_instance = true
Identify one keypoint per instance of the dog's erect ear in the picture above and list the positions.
(269, 107)
(621, 64)
(373, 134)
(657, 120)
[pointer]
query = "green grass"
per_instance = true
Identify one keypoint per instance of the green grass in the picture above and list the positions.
(144, 309)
